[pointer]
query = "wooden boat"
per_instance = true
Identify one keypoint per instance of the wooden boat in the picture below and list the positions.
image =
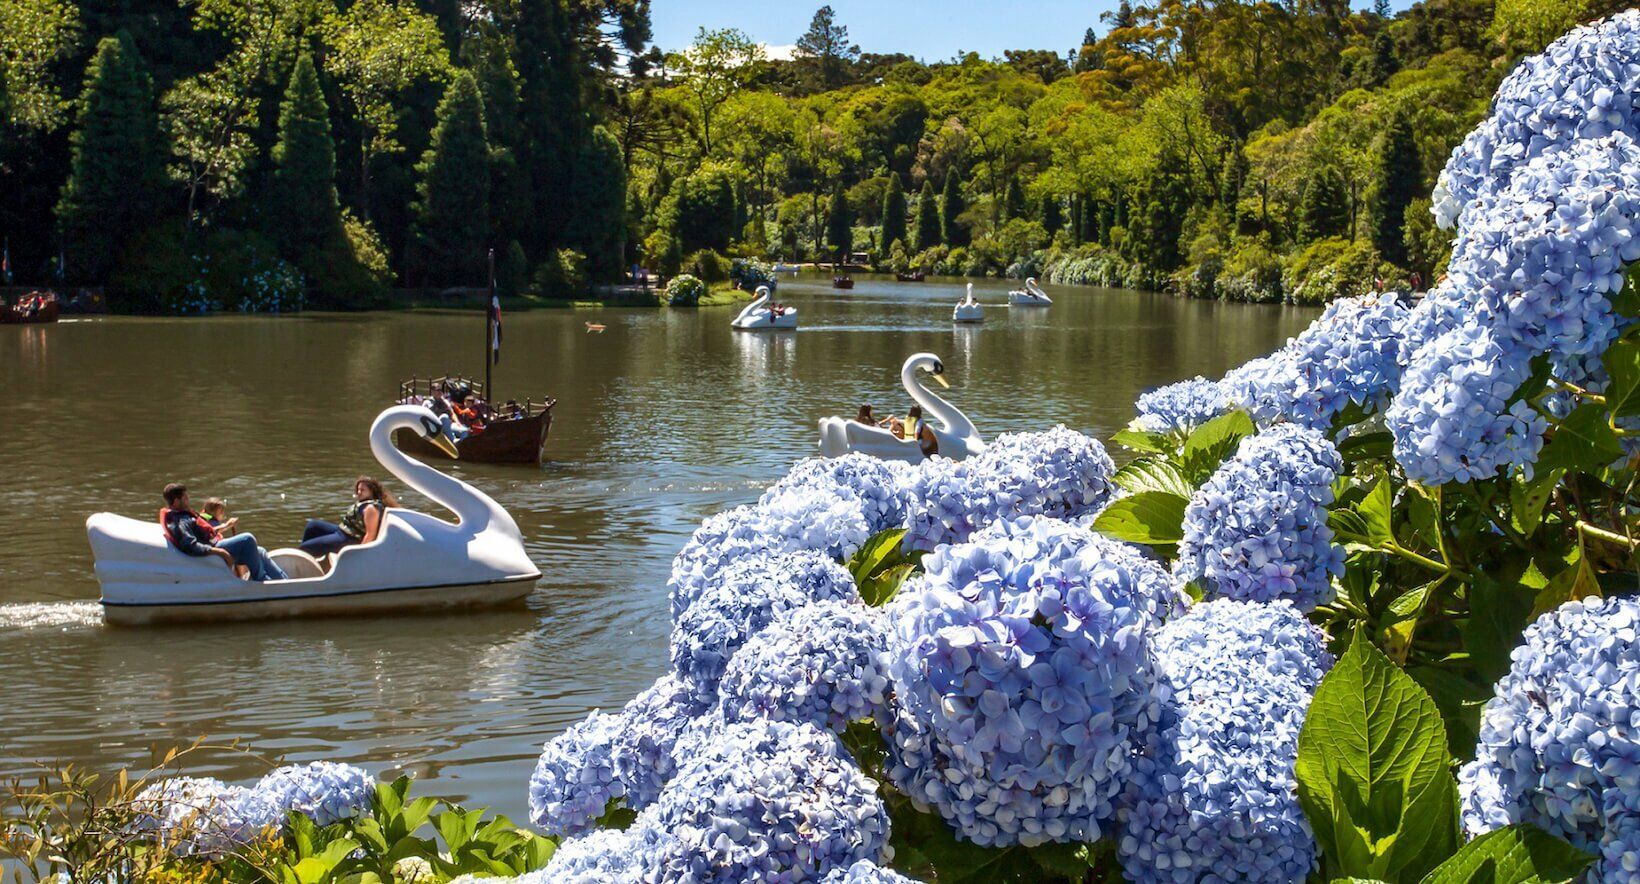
(913, 276)
(517, 435)
(842, 282)
(36, 307)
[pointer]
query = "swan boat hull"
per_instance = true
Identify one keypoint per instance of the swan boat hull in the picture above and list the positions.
(360, 603)
(968, 314)
(1019, 299)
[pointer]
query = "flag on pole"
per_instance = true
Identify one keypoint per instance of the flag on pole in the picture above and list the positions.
(495, 329)
(5, 262)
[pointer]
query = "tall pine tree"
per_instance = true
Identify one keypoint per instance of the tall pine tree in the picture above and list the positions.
(951, 209)
(1013, 201)
(1051, 217)
(303, 215)
(1397, 181)
(1324, 209)
(116, 183)
(928, 217)
(839, 225)
(894, 210)
(453, 205)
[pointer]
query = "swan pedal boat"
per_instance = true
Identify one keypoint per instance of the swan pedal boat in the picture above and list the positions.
(968, 309)
(1031, 295)
(957, 437)
(416, 563)
(759, 316)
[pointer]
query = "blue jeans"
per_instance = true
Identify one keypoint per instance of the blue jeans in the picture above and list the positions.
(245, 552)
(321, 538)
(456, 432)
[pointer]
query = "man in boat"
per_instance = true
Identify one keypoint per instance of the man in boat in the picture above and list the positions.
(468, 410)
(189, 532)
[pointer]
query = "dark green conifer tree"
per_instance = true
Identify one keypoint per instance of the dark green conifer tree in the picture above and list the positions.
(116, 183)
(453, 204)
(1051, 217)
(951, 209)
(894, 210)
(1013, 201)
(839, 225)
(1324, 209)
(1397, 181)
(303, 213)
(598, 191)
(928, 217)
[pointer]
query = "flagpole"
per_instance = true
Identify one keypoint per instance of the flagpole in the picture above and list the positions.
(489, 332)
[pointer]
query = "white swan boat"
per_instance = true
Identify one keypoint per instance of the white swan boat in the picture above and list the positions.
(1031, 295)
(760, 315)
(417, 562)
(955, 433)
(968, 309)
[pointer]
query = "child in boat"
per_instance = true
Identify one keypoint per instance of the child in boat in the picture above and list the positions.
(215, 511)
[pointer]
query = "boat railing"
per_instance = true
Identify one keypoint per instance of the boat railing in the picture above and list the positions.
(419, 388)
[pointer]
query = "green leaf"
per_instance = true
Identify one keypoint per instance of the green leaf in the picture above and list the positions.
(1152, 474)
(1542, 371)
(1373, 771)
(1576, 581)
(1366, 447)
(1209, 444)
(1583, 442)
(1527, 499)
(1139, 440)
(1623, 364)
(878, 552)
(1149, 517)
(1498, 613)
(1519, 854)
(879, 589)
(1350, 528)
(1460, 701)
(1377, 512)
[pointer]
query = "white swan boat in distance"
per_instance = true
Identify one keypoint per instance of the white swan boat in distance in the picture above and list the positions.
(417, 562)
(1031, 295)
(955, 433)
(760, 315)
(968, 309)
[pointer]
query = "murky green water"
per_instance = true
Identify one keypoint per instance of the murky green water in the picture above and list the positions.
(665, 418)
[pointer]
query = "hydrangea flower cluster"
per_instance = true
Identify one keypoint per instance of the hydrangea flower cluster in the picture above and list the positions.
(1453, 421)
(745, 599)
(201, 816)
(604, 856)
(878, 485)
(866, 872)
(765, 801)
(1060, 473)
(1213, 797)
(574, 779)
(1180, 407)
(1024, 679)
(822, 664)
(650, 727)
(1263, 387)
(1257, 529)
(1558, 745)
(323, 790)
(1348, 355)
(1581, 87)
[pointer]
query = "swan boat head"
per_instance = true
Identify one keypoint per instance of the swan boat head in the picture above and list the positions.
(955, 433)
(417, 561)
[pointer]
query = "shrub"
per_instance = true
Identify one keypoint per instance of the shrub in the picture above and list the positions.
(710, 266)
(1354, 270)
(929, 260)
(685, 291)
(170, 269)
(352, 272)
(512, 271)
(1251, 273)
(748, 273)
(562, 276)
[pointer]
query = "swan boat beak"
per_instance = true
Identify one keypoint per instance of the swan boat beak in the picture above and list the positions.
(435, 434)
(941, 379)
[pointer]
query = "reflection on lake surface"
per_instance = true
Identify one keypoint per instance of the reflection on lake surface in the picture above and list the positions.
(665, 418)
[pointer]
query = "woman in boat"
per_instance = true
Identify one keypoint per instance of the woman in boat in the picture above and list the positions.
(360, 523)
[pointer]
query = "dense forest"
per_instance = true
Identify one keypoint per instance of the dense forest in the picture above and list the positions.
(259, 154)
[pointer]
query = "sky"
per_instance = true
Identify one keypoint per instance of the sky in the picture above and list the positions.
(931, 30)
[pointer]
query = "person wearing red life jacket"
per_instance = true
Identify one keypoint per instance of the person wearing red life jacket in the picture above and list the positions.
(193, 535)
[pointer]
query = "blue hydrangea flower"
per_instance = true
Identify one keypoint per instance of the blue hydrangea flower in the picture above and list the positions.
(1348, 355)
(765, 801)
(822, 663)
(866, 872)
(1263, 387)
(1452, 420)
(1213, 796)
(650, 727)
(878, 485)
(1023, 678)
(1180, 407)
(1257, 529)
(747, 597)
(1558, 741)
(602, 856)
(1060, 473)
(1581, 87)
(323, 790)
(202, 816)
(574, 779)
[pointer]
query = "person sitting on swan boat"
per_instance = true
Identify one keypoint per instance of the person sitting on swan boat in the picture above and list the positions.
(360, 523)
(190, 533)
(915, 428)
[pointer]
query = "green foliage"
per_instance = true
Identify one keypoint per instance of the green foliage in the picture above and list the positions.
(1397, 181)
(705, 211)
(839, 225)
(563, 275)
(304, 213)
(707, 265)
(453, 211)
(1512, 855)
(38, 34)
(894, 214)
(512, 271)
(880, 567)
(685, 290)
(116, 184)
(1145, 517)
(598, 227)
(1324, 211)
(928, 218)
(952, 207)
(351, 270)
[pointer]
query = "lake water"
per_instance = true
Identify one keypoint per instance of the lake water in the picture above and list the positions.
(662, 420)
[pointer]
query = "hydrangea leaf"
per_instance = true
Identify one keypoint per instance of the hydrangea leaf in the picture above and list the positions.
(1139, 440)
(1149, 517)
(1208, 446)
(879, 589)
(1366, 447)
(1513, 855)
(1152, 474)
(1372, 770)
(1377, 512)
(1527, 499)
(1576, 581)
(1583, 441)
(880, 552)
(1460, 701)
(1498, 613)
(1622, 362)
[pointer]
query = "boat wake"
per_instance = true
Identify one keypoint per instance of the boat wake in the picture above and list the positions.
(42, 615)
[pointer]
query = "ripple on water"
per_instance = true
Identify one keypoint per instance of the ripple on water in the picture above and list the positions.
(45, 615)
